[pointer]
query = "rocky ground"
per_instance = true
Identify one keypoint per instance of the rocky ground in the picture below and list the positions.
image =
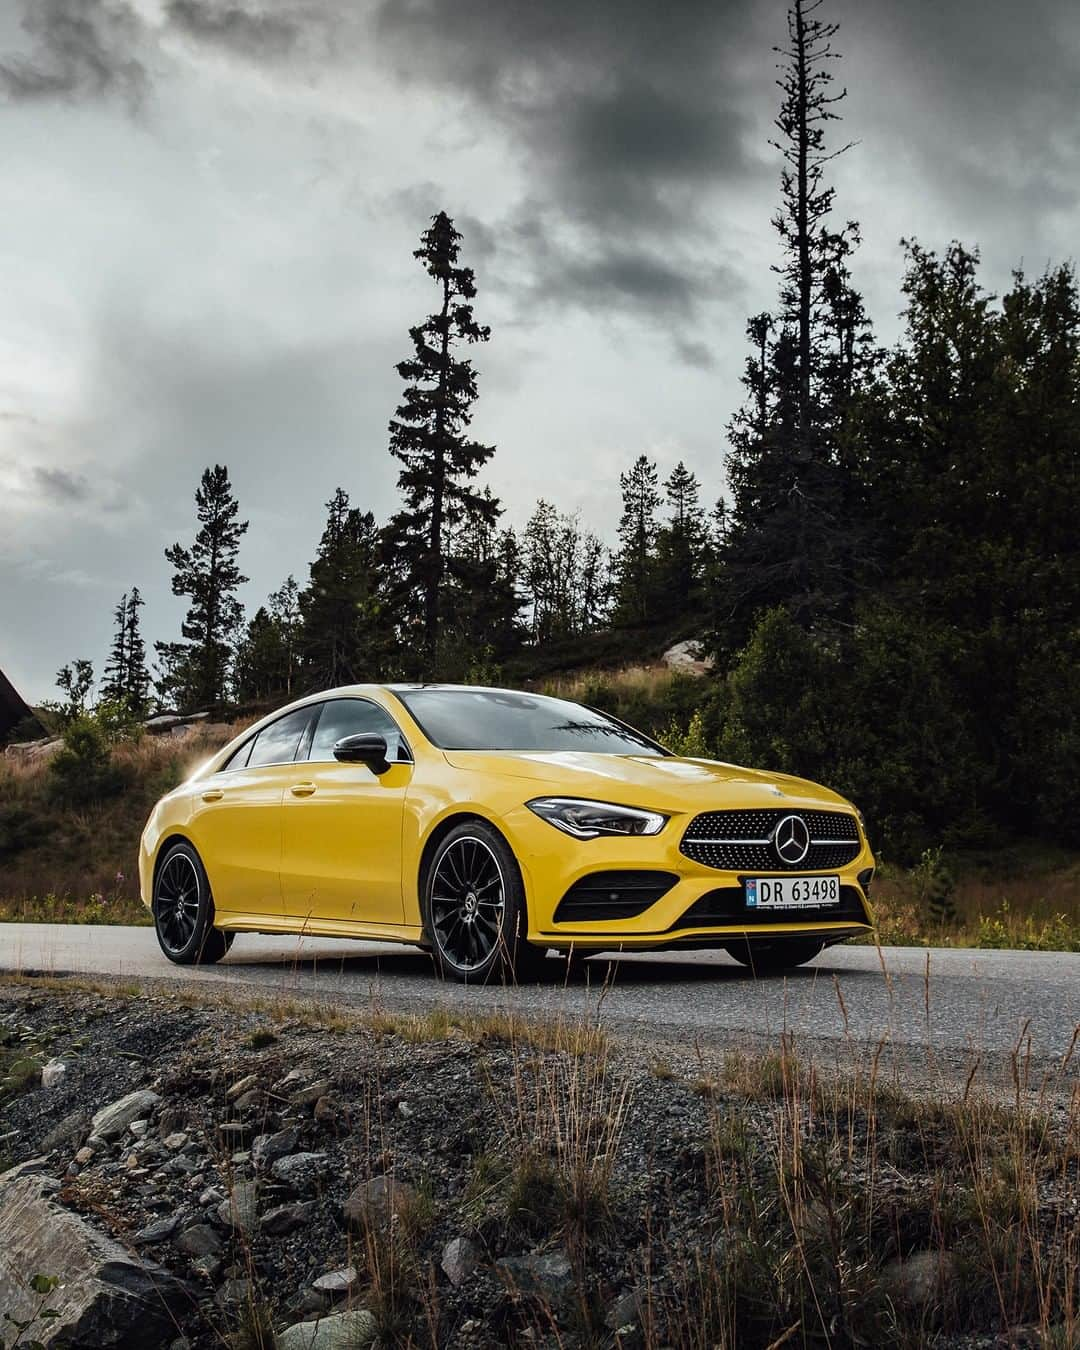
(199, 1175)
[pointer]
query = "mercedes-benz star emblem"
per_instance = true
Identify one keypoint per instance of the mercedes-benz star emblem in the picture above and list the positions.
(791, 840)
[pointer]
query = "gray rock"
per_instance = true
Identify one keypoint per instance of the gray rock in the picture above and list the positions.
(237, 1293)
(108, 1297)
(243, 1085)
(112, 1120)
(207, 1266)
(52, 1074)
(301, 1171)
(460, 1258)
(66, 1133)
(267, 1148)
(286, 1218)
(240, 1209)
(160, 1230)
(139, 1128)
(337, 1282)
(175, 1142)
(550, 1274)
(352, 1330)
(625, 1311)
(308, 1304)
(921, 1281)
(308, 1096)
(199, 1240)
(381, 1198)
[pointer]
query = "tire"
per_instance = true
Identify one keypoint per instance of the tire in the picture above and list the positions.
(183, 910)
(772, 958)
(473, 903)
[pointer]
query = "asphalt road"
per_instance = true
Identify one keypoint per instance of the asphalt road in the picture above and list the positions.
(943, 1008)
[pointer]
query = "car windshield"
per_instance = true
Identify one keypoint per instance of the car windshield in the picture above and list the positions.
(496, 719)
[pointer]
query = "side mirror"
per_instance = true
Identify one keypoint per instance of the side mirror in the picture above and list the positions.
(367, 748)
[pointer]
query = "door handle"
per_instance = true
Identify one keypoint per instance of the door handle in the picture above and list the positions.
(213, 795)
(302, 789)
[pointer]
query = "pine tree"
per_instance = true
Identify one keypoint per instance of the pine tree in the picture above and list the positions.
(794, 533)
(137, 676)
(126, 679)
(195, 672)
(115, 676)
(682, 543)
(480, 604)
(428, 435)
(344, 635)
(635, 562)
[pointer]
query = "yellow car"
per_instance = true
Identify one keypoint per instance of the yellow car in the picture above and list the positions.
(489, 826)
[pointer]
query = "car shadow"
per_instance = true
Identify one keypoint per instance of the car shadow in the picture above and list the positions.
(638, 969)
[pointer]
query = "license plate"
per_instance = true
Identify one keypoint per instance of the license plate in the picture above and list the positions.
(791, 892)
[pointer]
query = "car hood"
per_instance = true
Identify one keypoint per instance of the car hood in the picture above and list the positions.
(671, 784)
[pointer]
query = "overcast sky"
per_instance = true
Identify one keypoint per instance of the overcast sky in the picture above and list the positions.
(208, 210)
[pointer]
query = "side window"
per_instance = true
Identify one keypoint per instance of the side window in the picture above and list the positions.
(349, 717)
(277, 743)
(239, 758)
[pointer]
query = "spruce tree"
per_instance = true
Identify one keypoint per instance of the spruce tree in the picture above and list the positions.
(794, 530)
(480, 604)
(195, 672)
(682, 543)
(115, 676)
(635, 562)
(344, 633)
(428, 435)
(137, 676)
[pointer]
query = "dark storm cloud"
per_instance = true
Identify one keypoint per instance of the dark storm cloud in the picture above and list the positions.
(81, 49)
(628, 112)
(61, 485)
(246, 32)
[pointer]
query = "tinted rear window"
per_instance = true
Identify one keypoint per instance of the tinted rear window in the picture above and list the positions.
(493, 719)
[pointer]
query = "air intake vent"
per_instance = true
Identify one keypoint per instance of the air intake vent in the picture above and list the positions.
(612, 895)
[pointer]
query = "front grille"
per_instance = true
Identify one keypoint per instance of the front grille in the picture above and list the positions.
(727, 905)
(612, 895)
(740, 840)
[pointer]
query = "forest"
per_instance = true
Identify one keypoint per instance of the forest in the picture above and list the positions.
(883, 569)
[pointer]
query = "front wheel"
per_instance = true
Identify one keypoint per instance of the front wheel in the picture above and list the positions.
(772, 958)
(184, 910)
(474, 908)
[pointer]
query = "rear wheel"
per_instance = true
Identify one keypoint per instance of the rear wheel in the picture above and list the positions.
(771, 958)
(474, 908)
(184, 910)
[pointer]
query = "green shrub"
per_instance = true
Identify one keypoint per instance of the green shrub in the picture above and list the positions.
(83, 771)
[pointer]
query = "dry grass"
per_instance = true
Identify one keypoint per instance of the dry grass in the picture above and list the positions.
(1027, 903)
(65, 864)
(647, 682)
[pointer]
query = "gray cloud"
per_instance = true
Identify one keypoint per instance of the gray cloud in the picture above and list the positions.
(629, 114)
(246, 32)
(82, 48)
(61, 485)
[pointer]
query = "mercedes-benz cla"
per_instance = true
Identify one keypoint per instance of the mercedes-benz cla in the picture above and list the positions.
(490, 826)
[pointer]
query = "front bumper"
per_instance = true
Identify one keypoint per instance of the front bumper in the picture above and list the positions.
(551, 864)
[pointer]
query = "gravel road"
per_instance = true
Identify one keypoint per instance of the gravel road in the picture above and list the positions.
(943, 1008)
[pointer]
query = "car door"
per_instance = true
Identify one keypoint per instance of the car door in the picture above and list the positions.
(341, 850)
(238, 817)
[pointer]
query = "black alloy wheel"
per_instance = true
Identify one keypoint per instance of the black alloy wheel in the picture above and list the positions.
(474, 908)
(184, 910)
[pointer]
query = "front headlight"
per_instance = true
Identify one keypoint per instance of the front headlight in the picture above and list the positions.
(587, 820)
